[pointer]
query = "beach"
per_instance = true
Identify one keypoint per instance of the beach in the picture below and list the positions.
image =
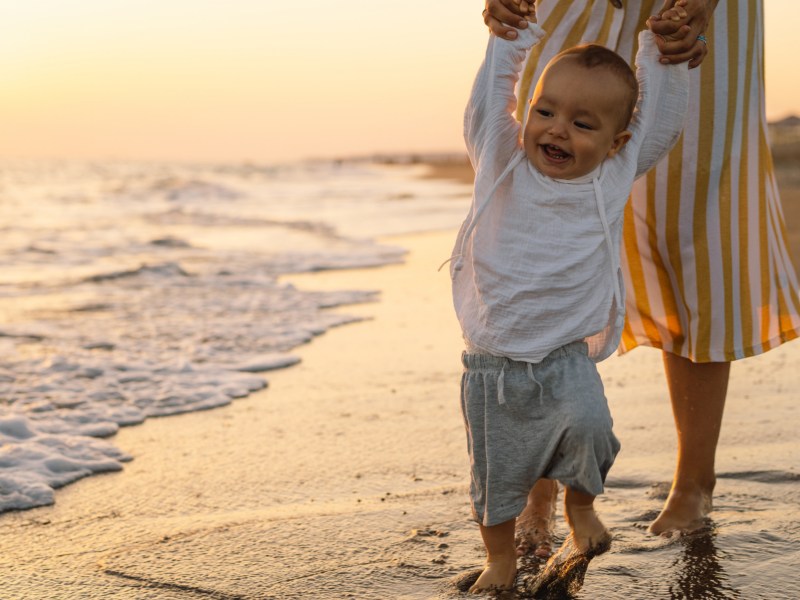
(347, 477)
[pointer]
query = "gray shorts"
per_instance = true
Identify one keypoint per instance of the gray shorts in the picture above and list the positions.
(527, 421)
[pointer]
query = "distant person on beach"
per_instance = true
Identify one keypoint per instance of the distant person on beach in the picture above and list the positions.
(536, 279)
(705, 257)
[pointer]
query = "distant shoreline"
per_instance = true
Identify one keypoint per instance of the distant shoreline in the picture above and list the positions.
(785, 137)
(455, 166)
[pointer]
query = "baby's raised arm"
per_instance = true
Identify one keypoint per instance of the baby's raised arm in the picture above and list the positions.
(663, 102)
(491, 131)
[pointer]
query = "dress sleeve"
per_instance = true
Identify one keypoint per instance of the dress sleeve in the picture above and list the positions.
(490, 129)
(662, 105)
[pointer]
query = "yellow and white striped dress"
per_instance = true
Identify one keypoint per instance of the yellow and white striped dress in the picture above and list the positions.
(707, 270)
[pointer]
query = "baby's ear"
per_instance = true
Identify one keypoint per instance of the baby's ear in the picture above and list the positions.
(618, 142)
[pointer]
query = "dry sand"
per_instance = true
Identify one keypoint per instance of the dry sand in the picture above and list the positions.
(347, 477)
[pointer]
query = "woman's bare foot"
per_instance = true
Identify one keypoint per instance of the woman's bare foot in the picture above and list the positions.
(536, 524)
(684, 511)
(697, 392)
(498, 575)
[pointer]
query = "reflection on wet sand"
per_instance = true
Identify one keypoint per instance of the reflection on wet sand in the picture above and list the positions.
(698, 570)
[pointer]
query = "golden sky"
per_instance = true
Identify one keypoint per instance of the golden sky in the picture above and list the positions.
(259, 80)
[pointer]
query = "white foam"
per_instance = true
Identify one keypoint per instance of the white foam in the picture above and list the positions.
(34, 462)
(131, 291)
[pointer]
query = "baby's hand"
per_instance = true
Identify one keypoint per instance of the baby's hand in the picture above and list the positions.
(528, 8)
(677, 12)
(680, 30)
(678, 18)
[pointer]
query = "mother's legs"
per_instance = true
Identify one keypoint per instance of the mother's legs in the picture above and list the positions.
(697, 392)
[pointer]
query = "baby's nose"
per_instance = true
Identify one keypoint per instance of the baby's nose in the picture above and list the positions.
(557, 128)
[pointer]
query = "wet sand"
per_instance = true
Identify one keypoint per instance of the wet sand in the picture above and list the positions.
(347, 478)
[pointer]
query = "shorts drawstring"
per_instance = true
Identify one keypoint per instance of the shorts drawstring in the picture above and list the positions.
(501, 396)
(534, 380)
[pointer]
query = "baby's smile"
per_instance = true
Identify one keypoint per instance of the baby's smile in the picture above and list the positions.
(555, 153)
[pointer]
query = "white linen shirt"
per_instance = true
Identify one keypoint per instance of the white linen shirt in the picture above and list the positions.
(536, 262)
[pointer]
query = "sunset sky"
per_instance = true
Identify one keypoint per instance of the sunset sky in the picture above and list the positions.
(260, 80)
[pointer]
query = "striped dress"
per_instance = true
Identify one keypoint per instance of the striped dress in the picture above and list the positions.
(706, 265)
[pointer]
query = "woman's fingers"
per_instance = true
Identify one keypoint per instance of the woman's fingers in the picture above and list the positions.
(695, 55)
(665, 27)
(678, 29)
(504, 17)
(699, 56)
(498, 28)
(680, 42)
(671, 18)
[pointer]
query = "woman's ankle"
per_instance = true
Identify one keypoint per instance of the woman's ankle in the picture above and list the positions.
(685, 510)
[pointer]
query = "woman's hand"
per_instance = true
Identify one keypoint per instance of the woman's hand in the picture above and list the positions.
(504, 17)
(679, 27)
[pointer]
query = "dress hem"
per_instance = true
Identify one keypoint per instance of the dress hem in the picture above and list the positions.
(784, 336)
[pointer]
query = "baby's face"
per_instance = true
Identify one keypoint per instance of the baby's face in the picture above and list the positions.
(575, 119)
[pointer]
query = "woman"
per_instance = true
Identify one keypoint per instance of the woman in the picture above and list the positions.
(706, 264)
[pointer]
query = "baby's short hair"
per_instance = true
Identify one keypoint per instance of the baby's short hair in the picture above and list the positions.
(593, 56)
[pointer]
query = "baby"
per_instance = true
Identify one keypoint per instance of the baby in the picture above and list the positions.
(536, 279)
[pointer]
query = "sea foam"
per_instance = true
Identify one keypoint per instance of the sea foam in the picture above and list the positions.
(131, 291)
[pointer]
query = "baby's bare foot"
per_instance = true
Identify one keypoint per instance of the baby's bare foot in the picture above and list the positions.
(589, 535)
(562, 576)
(498, 575)
(534, 536)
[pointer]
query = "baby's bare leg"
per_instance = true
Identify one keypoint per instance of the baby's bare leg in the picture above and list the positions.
(588, 532)
(536, 523)
(563, 574)
(501, 558)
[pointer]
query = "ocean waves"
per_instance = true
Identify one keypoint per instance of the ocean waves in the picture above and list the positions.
(131, 291)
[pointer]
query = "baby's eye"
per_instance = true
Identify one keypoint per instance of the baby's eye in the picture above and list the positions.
(582, 125)
(544, 113)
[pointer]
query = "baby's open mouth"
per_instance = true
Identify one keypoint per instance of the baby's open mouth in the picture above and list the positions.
(555, 152)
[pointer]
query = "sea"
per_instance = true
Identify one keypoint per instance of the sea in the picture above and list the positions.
(131, 290)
